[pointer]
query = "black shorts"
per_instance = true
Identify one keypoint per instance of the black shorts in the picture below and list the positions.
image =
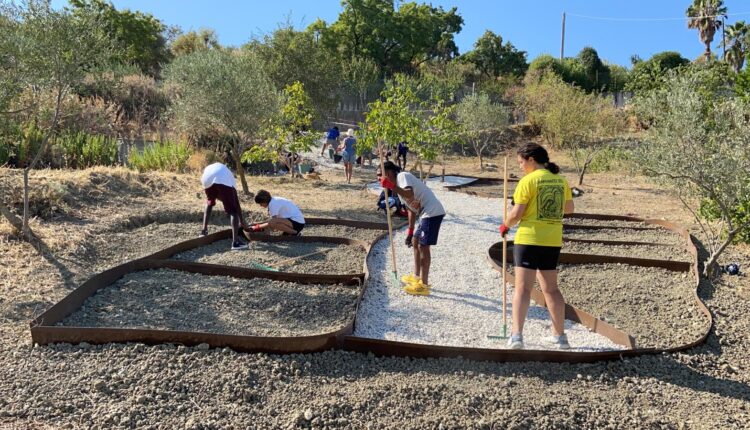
(297, 226)
(536, 257)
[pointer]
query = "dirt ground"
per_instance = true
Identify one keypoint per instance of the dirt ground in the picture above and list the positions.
(85, 219)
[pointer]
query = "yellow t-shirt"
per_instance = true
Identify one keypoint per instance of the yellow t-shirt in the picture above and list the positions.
(544, 195)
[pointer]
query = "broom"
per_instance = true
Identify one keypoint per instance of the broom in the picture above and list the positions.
(396, 282)
(505, 252)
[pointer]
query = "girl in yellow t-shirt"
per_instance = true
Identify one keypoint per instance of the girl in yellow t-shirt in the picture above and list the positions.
(541, 198)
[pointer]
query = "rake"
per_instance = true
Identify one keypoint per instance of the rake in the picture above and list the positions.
(505, 252)
(394, 272)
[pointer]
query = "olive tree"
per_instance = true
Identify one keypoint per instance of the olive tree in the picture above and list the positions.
(225, 92)
(483, 123)
(699, 145)
(53, 53)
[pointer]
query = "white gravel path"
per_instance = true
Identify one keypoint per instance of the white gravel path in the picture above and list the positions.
(464, 305)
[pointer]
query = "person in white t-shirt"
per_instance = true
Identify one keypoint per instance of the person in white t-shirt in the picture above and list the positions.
(422, 204)
(285, 215)
(219, 184)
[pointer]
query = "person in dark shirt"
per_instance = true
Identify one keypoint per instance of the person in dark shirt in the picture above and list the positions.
(332, 138)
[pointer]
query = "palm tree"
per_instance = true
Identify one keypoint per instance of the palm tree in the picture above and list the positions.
(737, 44)
(704, 15)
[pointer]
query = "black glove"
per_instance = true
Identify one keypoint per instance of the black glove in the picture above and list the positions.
(408, 240)
(203, 232)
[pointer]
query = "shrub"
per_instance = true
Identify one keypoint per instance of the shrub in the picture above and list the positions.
(200, 159)
(165, 156)
(4, 152)
(81, 150)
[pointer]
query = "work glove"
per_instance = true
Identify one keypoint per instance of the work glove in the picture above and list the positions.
(203, 232)
(386, 183)
(255, 228)
(409, 237)
(504, 229)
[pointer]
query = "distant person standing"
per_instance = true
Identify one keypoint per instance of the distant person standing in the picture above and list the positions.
(332, 138)
(219, 184)
(402, 150)
(349, 154)
(541, 199)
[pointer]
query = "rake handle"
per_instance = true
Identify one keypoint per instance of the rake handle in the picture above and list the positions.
(505, 240)
(388, 212)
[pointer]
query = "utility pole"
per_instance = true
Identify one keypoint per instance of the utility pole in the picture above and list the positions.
(562, 39)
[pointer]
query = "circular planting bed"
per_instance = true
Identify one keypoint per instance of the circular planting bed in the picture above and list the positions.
(166, 299)
(298, 257)
(656, 306)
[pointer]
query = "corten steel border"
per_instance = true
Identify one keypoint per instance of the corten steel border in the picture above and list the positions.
(43, 330)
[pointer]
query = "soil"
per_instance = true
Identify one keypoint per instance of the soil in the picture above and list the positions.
(331, 259)
(647, 236)
(123, 386)
(610, 223)
(654, 252)
(217, 304)
(654, 305)
(364, 234)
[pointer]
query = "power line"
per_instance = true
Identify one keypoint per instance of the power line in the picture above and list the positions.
(608, 18)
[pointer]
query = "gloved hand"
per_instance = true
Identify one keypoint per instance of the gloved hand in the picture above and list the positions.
(386, 183)
(504, 229)
(255, 228)
(203, 232)
(409, 237)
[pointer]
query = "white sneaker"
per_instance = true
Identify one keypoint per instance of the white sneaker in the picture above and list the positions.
(561, 342)
(516, 341)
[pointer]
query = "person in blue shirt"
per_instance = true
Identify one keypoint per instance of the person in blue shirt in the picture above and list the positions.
(332, 138)
(349, 154)
(403, 149)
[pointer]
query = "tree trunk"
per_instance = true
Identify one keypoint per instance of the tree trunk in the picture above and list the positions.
(710, 266)
(708, 53)
(240, 170)
(481, 163)
(25, 230)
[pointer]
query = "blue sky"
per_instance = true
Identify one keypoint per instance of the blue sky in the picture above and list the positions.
(531, 25)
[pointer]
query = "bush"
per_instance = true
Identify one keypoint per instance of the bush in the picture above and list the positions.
(81, 150)
(29, 144)
(165, 156)
(4, 152)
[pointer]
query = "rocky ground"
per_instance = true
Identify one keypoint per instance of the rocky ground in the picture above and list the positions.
(139, 386)
(654, 252)
(173, 300)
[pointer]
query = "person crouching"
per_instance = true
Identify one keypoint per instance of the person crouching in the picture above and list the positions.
(286, 217)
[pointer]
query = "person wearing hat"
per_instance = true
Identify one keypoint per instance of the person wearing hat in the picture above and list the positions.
(349, 154)
(219, 184)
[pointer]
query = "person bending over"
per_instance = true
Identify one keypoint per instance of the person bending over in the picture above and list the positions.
(219, 184)
(285, 215)
(541, 198)
(332, 138)
(424, 206)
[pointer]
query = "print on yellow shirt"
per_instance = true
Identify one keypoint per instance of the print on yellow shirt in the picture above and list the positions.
(544, 195)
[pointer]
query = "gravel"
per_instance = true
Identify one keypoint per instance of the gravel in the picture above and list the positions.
(174, 300)
(332, 259)
(611, 223)
(650, 236)
(364, 234)
(674, 253)
(654, 305)
(464, 305)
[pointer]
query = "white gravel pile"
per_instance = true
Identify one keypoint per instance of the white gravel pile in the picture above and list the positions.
(464, 304)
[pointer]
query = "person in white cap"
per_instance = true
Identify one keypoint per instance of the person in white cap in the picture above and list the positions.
(349, 154)
(219, 184)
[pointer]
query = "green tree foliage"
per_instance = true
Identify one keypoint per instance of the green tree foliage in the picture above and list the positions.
(705, 16)
(291, 129)
(698, 145)
(56, 52)
(224, 92)
(396, 39)
(298, 56)
(187, 43)
(483, 123)
(138, 37)
(737, 44)
(443, 80)
(360, 75)
(586, 71)
(618, 77)
(652, 73)
(571, 119)
(494, 58)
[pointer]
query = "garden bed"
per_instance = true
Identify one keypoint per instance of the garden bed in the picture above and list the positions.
(173, 300)
(653, 252)
(609, 223)
(299, 257)
(363, 234)
(657, 235)
(654, 305)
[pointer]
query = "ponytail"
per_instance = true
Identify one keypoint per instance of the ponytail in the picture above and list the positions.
(539, 154)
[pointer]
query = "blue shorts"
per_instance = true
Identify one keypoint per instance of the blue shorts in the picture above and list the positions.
(349, 157)
(428, 229)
